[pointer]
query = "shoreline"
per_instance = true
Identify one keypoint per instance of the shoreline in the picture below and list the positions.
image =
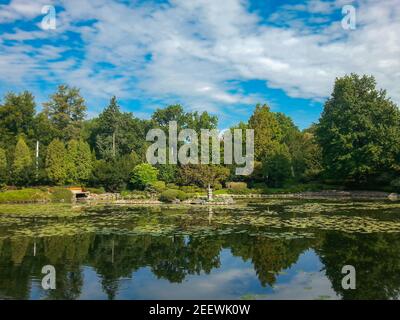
(307, 195)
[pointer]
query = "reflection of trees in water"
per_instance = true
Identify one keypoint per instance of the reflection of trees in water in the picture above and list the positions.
(376, 258)
(19, 264)
(171, 258)
(15, 269)
(114, 257)
(269, 256)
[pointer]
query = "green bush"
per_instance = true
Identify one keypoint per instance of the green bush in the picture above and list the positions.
(395, 184)
(142, 175)
(24, 195)
(134, 195)
(217, 186)
(192, 189)
(172, 186)
(221, 191)
(113, 175)
(158, 186)
(240, 191)
(61, 195)
(182, 196)
(96, 190)
(171, 195)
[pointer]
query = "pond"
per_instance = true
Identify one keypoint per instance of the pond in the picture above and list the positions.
(271, 249)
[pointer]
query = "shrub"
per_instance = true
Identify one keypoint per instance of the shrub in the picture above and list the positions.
(172, 186)
(158, 186)
(217, 186)
(395, 184)
(24, 195)
(167, 172)
(236, 185)
(61, 195)
(113, 175)
(171, 195)
(96, 190)
(240, 191)
(192, 189)
(143, 175)
(182, 196)
(132, 195)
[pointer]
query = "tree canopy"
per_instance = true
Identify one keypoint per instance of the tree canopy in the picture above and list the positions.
(355, 142)
(359, 131)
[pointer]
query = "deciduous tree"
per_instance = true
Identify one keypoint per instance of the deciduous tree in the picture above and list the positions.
(359, 130)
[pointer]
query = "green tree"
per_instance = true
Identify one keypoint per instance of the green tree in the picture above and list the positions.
(266, 130)
(167, 172)
(114, 174)
(72, 155)
(110, 121)
(309, 163)
(79, 161)
(203, 175)
(198, 121)
(45, 131)
(57, 162)
(277, 166)
(22, 164)
(117, 133)
(3, 166)
(143, 175)
(66, 110)
(162, 117)
(16, 117)
(359, 131)
(84, 163)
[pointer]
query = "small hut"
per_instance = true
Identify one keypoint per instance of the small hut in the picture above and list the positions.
(79, 192)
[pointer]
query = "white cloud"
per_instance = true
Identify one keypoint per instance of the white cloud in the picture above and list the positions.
(22, 9)
(197, 52)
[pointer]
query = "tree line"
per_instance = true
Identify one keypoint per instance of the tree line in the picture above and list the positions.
(355, 143)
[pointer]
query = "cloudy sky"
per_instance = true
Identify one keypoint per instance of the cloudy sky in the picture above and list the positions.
(220, 56)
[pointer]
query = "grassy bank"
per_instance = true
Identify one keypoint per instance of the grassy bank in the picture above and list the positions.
(37, 195)
(24, 195)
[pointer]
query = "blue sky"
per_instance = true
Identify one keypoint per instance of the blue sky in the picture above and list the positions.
(219, 56)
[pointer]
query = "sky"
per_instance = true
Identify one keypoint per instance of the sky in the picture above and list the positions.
(223, 57)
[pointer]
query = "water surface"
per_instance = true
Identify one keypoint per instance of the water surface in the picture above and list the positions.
(276, 249)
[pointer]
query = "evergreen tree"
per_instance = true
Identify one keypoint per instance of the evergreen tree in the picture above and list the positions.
(57, 162)
(66, 110)
(114, 174)
(16, 117)
(110, 121)
(3, 166)
(22, 164)
(79, 161)
(72, 161)
(115, 133)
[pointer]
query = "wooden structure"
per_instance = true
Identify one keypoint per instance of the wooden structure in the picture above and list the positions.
(79, 192)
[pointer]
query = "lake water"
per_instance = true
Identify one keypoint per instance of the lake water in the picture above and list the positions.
(276, 249)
